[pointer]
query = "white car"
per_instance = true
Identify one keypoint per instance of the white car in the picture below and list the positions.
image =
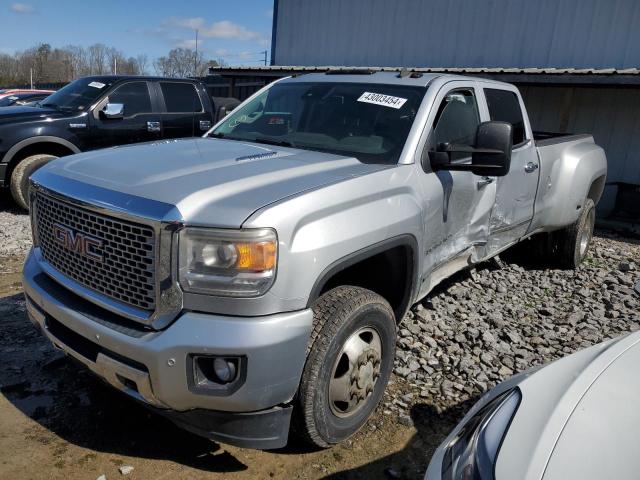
(577, 418)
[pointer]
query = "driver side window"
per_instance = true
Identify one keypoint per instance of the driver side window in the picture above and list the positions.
(134, 96)
(246, 122)
(457, 120)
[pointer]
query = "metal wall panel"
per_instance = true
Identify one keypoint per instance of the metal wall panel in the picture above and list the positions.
(458, 33)
(612, 115)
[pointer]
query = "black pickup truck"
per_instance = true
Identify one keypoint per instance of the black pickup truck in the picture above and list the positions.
(98, 112)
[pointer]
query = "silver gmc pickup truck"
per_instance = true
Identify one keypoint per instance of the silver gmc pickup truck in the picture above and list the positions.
(250, 282)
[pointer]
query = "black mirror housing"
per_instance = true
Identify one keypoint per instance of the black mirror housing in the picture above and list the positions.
(434, 160)
(496, 136)
(490, 156)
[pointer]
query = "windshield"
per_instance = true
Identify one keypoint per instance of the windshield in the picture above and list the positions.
(7, 101)
(367, 121)
(78, 95)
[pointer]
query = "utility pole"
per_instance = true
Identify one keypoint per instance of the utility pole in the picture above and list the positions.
(265, 58)
(31, 77)
(115, 65)
(195, 58)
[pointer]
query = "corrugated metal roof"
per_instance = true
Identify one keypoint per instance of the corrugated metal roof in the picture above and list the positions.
(457, 70)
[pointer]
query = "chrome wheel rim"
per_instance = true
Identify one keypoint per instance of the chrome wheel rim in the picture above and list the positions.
(587, 232)
(355, 372)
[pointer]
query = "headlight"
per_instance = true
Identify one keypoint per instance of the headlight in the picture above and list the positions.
(472, 454)
(236, 263)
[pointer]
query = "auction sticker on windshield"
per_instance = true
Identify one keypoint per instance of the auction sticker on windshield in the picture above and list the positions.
(96, 84)
(380, 99)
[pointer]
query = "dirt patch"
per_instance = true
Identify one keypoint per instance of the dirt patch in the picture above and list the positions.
(60, 422)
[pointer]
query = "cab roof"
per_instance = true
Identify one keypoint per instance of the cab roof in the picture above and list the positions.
(366, 76)
(118, 78)
(359, 75)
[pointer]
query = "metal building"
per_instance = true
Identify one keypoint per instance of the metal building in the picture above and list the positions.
(458, 33)
(576, 62)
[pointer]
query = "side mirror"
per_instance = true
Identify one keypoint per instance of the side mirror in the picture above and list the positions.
(490, 156)
(113, 110)
(494, 141)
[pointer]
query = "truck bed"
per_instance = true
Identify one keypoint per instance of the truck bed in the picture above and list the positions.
(570, 165)
(545, 139)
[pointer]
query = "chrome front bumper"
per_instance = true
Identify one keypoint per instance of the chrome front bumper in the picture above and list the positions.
(152, 366)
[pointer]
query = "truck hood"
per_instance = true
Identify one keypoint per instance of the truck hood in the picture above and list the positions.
(202, 181)
(21, 114)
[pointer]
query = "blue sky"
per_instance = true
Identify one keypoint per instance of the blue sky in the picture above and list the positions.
(234, 30)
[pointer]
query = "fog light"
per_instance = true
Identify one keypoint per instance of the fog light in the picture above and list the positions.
(224, 369)
(215, 375)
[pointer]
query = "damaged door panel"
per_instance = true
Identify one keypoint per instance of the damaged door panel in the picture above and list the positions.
(457, 222)
(516, 191)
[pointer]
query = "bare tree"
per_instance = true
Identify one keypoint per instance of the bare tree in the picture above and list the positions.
(8, 69)
(58, 65)
(142, 62)
(78, 60)
(182, 62)
(98, 59)
(119, 64)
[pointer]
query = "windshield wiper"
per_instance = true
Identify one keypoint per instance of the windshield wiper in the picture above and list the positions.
(50, 105)
(268, 141)
(59, 108)
(273, 141)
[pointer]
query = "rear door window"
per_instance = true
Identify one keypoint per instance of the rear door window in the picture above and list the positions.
(180, 97)
(505, 107)
(134, 96)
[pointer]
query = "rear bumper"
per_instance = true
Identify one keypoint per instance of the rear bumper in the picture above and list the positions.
(154, 368)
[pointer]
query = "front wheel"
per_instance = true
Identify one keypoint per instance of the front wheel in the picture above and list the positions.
(348, 366)
(19, 182)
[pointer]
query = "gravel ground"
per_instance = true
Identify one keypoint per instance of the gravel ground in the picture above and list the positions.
(15, 229)
(482, 326)
(475, 330)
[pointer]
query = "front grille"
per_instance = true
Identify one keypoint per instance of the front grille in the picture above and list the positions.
(120, 264)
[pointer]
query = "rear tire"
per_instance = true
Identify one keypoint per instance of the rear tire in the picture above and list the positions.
(572, 243)
(350, 359)
(19, 182)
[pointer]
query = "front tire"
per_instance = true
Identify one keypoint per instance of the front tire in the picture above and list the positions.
(19, 182)
(349, 362)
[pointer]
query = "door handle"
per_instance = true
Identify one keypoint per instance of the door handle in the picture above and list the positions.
(484, 182)
(530, 167)
(153, 126)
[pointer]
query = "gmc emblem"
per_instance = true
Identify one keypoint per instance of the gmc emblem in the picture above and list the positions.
(77, 242)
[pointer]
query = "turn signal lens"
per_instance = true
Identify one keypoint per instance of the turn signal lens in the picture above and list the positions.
(256, 256)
